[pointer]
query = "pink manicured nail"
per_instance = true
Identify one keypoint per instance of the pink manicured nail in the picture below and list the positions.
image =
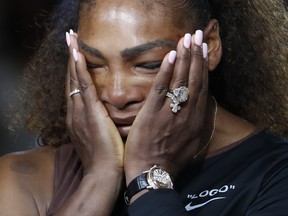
(75, 55)
(205, 50)
(198, 37)
(172, 56)
(187, 40)
(68, 40)
(71, 32)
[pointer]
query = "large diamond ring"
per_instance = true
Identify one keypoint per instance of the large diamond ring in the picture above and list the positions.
(75, 91)
(178, 95)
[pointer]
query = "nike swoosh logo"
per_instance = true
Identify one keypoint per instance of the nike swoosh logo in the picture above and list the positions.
(191, 207)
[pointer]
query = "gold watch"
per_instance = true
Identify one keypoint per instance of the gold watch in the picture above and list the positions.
(154, 178)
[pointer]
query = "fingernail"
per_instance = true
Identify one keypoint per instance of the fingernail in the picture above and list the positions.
(172, 56)
(205, 50)
(71, 32)
(198, 37)
(187, 40)
(75, 55)
(68, 40)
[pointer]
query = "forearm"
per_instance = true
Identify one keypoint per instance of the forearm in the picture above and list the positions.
(96, 195)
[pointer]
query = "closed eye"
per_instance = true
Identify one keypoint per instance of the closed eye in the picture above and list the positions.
(150, 65)
(91, 66)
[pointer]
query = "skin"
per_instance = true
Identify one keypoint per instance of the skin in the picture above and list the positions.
(121, 123)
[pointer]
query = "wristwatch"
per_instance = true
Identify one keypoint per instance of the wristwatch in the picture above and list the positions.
(154, 178)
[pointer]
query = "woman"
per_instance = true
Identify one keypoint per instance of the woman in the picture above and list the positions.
(140, 119)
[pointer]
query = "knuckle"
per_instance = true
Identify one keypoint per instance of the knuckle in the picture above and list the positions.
(181, 82)
(196, 84)
(198, 53)
(184, 57)
(83, 86)
(204, 90)
(167, 70)
(159, 89)
(73, 81)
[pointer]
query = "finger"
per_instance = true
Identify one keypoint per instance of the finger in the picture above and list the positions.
(73, 48)
(196, 67)
(202, 99)
(205, 70)
(74, 82)
(88, 90)
(162, 80)
(76, 103)
(68, 89)
(182, 65)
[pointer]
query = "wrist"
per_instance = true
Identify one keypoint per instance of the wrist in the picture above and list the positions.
(154, 178)
(132, 171)
(111, 171)
(105, 180)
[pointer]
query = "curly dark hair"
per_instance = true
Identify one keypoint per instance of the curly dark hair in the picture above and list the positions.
(251, 80)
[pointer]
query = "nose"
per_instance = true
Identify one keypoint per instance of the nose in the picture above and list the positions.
(119, 90)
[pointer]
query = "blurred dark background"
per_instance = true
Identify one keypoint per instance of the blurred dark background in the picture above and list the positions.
(21, 30)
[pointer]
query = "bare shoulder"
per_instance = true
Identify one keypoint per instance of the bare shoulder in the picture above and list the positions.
(26, 182)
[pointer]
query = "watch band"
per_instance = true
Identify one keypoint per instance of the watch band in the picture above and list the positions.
(136, 185)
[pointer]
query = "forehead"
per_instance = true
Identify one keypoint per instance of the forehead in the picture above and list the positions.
(126, 16)
(114, 25)
(145, 5)
(103, 9)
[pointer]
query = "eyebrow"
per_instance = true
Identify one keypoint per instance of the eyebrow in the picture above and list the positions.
(137, 50)
(90, 50)
(133, 51)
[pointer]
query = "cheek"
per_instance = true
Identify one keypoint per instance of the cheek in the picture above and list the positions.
(145, 83)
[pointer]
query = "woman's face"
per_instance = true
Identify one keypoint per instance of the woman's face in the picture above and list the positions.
(124, 44)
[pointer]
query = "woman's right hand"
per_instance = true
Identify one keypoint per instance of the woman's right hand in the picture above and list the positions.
(91, 130)
(96, 140)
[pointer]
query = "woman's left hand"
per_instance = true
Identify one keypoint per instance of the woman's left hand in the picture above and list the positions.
(159, 136)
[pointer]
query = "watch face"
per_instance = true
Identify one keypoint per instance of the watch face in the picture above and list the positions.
(159, 179)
